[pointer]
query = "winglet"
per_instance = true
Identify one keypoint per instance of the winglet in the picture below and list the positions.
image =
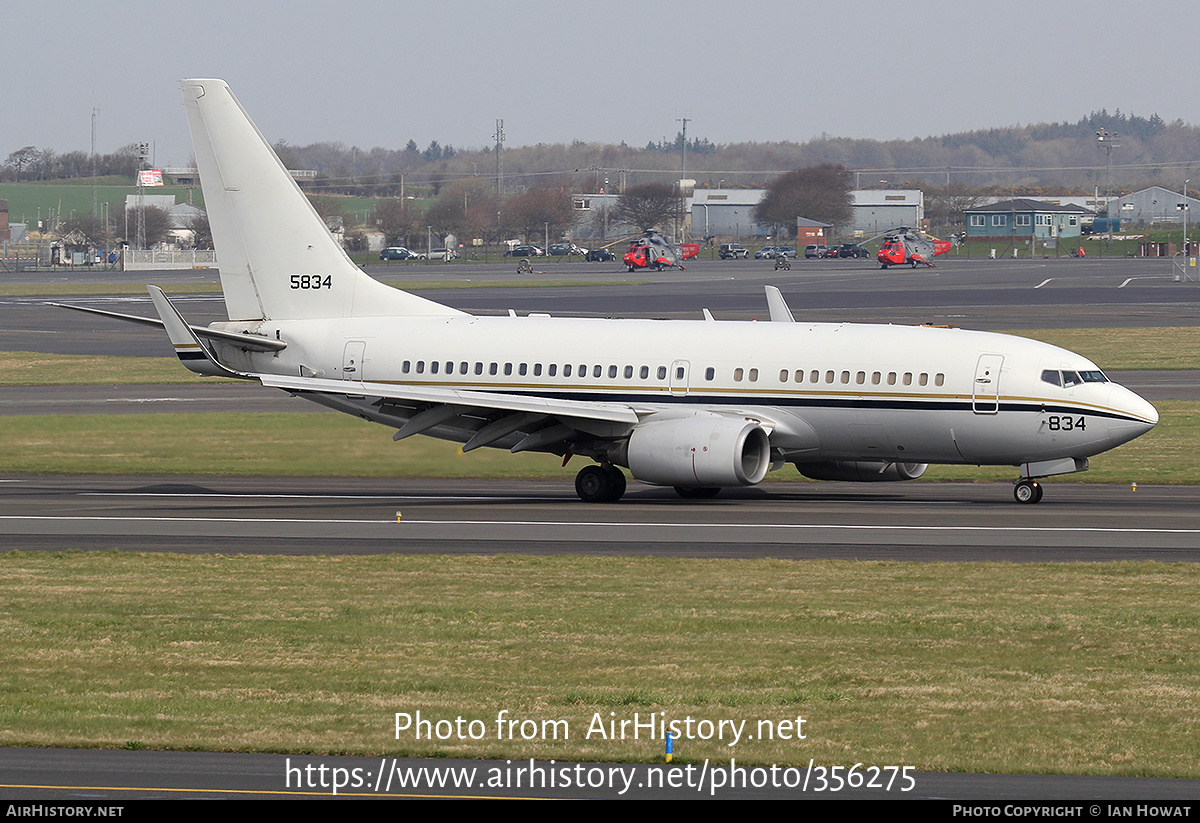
(780, 313)
(192, 353)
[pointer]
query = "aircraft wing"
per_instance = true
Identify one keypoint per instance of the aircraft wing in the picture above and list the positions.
(483, 400)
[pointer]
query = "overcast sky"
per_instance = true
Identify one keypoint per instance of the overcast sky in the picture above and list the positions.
(379, 73)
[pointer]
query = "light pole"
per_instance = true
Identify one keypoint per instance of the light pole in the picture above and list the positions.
(1184, 205)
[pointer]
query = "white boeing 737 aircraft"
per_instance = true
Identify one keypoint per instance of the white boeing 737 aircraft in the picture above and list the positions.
(697, 405)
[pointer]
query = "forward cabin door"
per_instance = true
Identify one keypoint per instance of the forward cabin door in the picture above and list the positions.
(985, 395)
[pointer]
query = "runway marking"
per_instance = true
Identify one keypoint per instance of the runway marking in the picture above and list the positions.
(1128, 280)
(473, 498)
(1044, 282)
(273, 792)
(617, 524)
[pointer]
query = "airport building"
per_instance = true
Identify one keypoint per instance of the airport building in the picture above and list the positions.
(1153, 205)
(877, 210)
(1023, 218)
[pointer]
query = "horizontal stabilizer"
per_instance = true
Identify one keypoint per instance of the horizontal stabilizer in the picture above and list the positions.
(248, 342)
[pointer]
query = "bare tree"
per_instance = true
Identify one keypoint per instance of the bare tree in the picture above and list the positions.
(157, 223)
(546, 208)
(819, 193)
(646, 206)
(396, 219)
(22, 159)
(201, 231)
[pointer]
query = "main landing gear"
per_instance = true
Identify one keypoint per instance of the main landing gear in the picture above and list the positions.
(1027, 491)
(600, 484)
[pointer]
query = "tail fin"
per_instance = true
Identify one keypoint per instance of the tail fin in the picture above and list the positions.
(277, 258)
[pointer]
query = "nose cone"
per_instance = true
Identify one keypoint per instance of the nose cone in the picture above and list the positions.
(1136, 415)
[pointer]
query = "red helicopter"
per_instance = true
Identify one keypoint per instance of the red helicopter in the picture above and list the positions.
(912, 246)
(652, 251)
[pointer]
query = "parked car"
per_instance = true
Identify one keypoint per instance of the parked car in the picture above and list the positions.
(852, 250)
(564, 249)
(785, 251)
(733, 251)
(443, 254)
(396, 253)
(524, 251)
(599, 256)
(815, 251)
(766, 253)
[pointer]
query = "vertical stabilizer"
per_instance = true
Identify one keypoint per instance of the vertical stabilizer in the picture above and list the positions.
(277, 258)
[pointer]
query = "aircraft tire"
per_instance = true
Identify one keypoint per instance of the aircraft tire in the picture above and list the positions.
(617, 478)
(1028, 491)
(599, 484)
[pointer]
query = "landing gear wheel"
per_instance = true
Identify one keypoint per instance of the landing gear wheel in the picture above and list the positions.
(599, 484)
(617, 478)
(1027, 491)
(697, 492)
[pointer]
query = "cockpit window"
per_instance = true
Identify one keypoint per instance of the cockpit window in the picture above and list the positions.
(1066, 379)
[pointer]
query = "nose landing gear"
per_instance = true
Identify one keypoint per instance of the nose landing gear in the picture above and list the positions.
(1027, 491)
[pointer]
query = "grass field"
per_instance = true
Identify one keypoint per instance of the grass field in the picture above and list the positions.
(1080, 668)
(27, 200)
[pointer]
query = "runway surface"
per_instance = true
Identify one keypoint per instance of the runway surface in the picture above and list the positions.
(66, 775)
(977, 294)
(919, 521)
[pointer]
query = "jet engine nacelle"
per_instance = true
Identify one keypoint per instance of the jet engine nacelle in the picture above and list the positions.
(703, 450)
(863, 471)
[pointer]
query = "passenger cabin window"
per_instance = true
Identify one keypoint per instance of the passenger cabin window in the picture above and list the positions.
(598, 370)
(737, 375)
(710, 373)
(753, 375)
(629, 372)
(662, 372)
(492, 368)
(644, 372)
